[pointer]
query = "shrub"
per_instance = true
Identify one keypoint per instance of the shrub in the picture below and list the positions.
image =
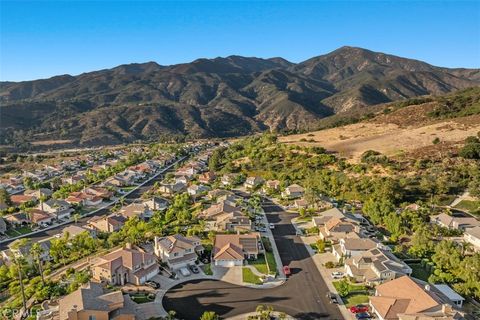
(329, 264)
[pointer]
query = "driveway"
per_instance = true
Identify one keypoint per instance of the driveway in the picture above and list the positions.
(303, 295)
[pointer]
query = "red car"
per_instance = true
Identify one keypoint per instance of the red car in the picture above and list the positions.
(286, 270)
(359, 308)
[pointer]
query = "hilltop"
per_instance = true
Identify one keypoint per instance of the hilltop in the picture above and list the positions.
(221, 97)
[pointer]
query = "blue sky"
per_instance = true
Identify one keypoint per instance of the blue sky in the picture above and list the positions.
(40, 39)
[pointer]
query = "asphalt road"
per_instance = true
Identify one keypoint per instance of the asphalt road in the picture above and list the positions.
(302, 296)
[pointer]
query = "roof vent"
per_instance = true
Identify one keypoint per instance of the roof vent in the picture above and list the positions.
(427, 287)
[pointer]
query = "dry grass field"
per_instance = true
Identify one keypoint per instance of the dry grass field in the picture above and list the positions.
(387, 136)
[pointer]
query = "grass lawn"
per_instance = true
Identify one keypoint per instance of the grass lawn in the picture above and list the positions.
(260, 264)
(419, 272)
(18, 231)
(141, 298)
(358, 294)
(469, 205)
(354, 299)
(249, 277)
(272, 264)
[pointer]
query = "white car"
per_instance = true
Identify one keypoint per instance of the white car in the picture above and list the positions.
(185, 272)
(337, 275)
(271, 226)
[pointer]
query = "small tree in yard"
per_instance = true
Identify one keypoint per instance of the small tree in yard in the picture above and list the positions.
(343, 288)
(209, 315)
(321, 246)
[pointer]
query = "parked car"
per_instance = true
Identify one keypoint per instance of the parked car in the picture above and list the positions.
(359, 308)
(194, 269)
(261, 229)
(337, 275)
(153, 284)
(271, 226)
(286, 270)
(332, 297)
(184, 271)
(363, 315)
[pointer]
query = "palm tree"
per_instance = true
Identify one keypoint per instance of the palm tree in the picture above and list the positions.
(36, 252)
(76, 217)
(18, 261)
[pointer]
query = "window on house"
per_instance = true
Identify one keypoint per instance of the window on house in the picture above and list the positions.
(92, 318)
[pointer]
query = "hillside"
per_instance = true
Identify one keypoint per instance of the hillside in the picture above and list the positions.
(219, 97)
(404, 128)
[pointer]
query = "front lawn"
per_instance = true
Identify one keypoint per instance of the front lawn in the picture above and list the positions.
(142, 297)
(18, 231)
(272, 264)
(356, 293)
(249, 277)
(260, 264)
(354, 299)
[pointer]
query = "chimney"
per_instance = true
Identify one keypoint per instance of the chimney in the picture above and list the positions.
(427, 287)
(128, 245)
(447, 309)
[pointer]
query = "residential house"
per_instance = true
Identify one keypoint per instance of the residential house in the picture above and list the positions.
(125, 265)
(217, 193)
(252, 182)
(300, 203)
(40, 217)
(325, 216)
(458, 223)
(225, 217)
(375, 266)
(75, 178)
(232, 249)
(178, 251)
(171, 189)
(409, 298)
(74, 230)
(25, 251)
(156, 203)
(139, 210)
(293, 191)
(351, 247)
(42, 192)
(207, 177)
(197, 190)
(188, 171)
(182, 179)
(18, 199)
(271, 185)
(84, 199)
(229, 179)
(18, 219)
(472, 236)
(60, 208)
(336, 229)
(91, 302)
(111, 223)
(103, 193)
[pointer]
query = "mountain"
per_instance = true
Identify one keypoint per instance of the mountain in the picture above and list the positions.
(218, 97)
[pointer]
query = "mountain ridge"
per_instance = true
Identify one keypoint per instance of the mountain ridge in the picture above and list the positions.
(219, 97)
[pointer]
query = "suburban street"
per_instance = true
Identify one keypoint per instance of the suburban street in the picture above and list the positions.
(302, 296)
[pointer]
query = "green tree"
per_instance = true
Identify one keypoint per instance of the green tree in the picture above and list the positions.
(209, 315)
(5, 197)
(321, 246)
(343, 288)
(37, 251)
(422, 244)
(19, 262)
